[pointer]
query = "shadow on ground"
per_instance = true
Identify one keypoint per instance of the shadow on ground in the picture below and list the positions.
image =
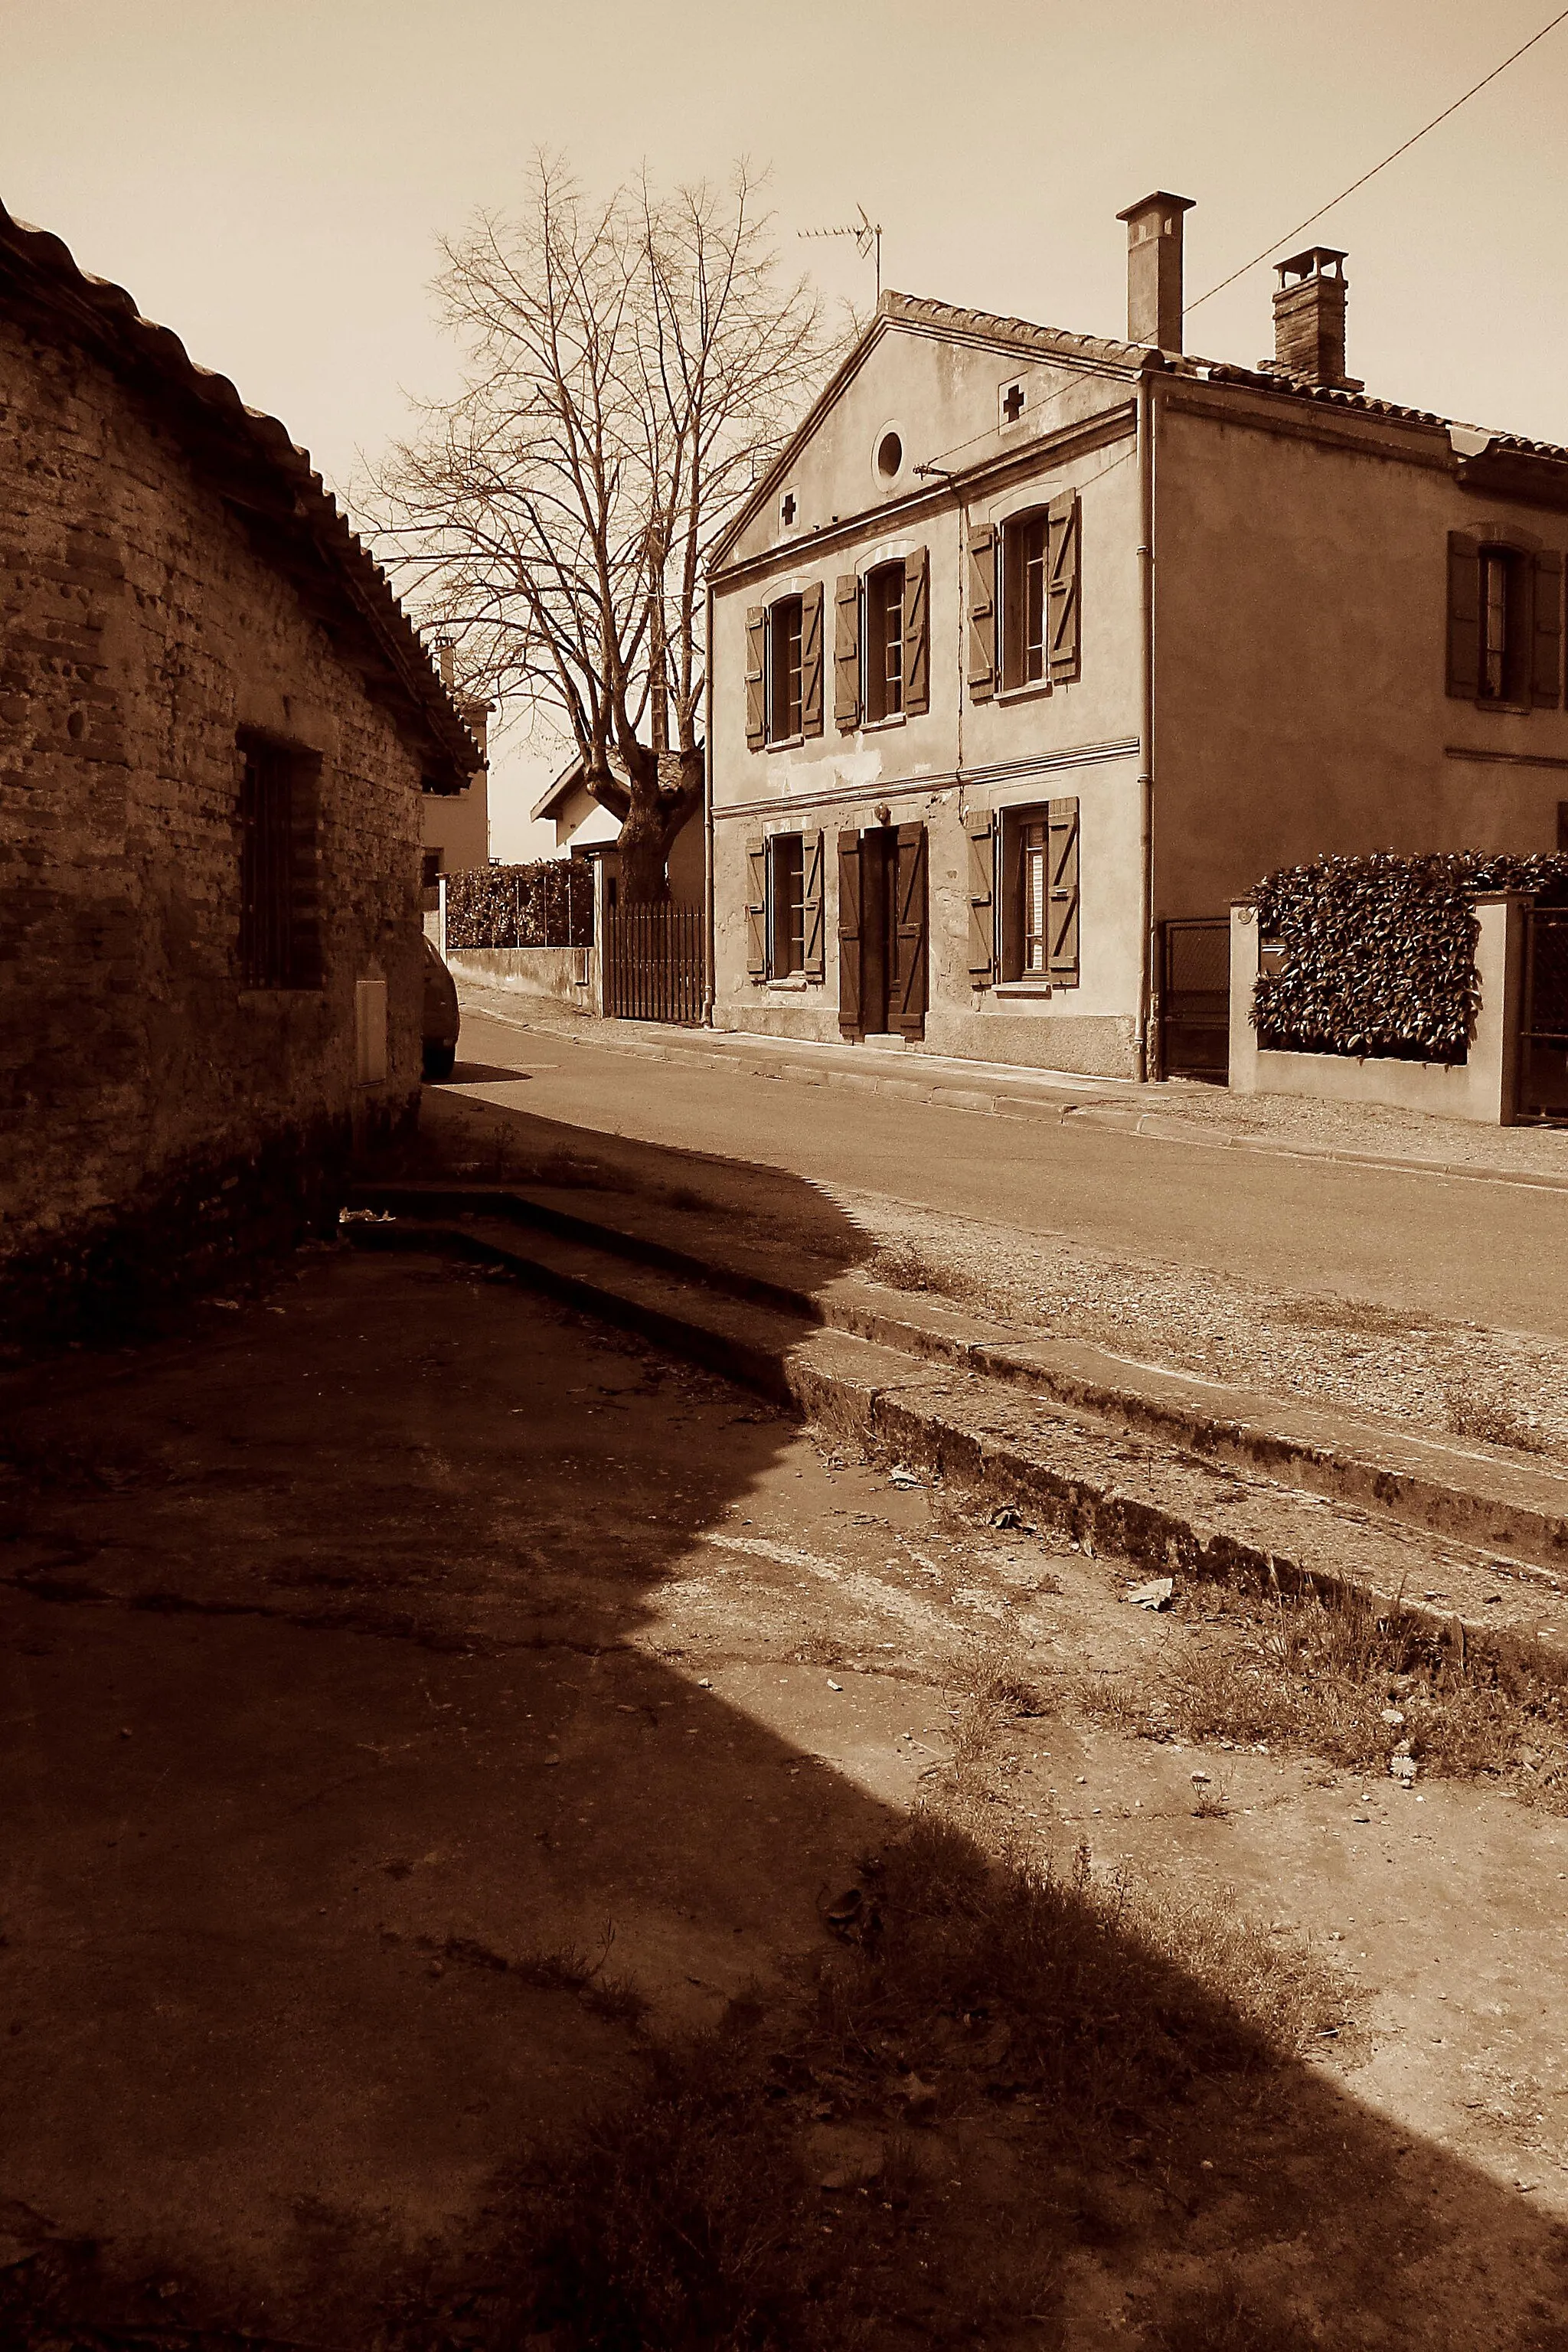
(373, 1829)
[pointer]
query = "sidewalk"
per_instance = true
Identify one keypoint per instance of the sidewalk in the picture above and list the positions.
(1176, 1111)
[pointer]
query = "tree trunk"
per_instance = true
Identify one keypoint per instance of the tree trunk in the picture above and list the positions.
(660, 807)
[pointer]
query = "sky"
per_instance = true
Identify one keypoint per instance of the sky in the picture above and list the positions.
(269, 177)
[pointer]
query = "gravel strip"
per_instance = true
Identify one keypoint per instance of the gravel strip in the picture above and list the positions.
(1501, 1389)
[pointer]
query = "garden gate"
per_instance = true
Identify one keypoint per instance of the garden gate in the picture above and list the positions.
(1543, 1040)
(1194, 997)
(655, 963)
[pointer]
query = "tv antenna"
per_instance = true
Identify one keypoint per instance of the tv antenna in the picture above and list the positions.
(867, 236)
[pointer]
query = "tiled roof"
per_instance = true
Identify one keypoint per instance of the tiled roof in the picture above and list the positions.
(1055, 343)
(39, 277)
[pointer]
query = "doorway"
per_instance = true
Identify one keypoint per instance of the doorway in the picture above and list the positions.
(882, 932)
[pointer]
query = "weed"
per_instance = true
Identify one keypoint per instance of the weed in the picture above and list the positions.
(1352, 1679)
(1222, 2318)
(901, 1265)
(1489, 1421)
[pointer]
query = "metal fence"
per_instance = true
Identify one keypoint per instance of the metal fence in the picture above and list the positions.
(654, 964)
(1543, 1040)
(1194, 998)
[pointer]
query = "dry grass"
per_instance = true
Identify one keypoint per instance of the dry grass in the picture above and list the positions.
(1493, 1421)
(1352, 1680)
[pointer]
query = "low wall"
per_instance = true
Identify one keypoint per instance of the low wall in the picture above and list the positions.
(1482, 1089)
(549, 972)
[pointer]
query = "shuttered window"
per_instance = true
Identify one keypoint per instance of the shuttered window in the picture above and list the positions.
(1039, 893)
(908, 983)
(812, 904)
(1505, 624)
(1063, 615)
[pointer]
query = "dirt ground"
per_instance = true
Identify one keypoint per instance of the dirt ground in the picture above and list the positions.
(423, 1708)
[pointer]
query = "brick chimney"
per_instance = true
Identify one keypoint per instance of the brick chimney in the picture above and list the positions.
(1310, 317)
(1155, 270)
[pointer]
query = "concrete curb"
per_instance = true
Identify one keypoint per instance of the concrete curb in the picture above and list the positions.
(1063, 1102)
(1371, 1470)
(1061, 1472)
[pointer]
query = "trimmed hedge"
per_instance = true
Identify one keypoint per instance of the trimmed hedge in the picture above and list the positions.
(1379, 952)
(550, 905)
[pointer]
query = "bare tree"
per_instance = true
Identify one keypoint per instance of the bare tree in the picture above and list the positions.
(628, 368)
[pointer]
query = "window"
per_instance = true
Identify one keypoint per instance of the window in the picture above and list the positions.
(783, 908)
(784, 669)
(1501, 600)
(1505, 623)
(786, 906)
(1024, 623)
(885, 642)
(1024, 574)
(1024, 895)
(279, 943)
(1034, 891)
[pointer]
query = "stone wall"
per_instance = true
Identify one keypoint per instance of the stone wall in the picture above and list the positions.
(153, 1110)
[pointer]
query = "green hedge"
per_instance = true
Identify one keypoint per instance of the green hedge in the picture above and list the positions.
(550, 905)
(1378, 954)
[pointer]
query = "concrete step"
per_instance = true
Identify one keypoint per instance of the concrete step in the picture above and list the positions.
(1463, 1492)
(1162, 1510)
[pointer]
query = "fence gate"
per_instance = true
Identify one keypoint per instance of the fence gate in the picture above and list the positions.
(1194, 997)
(655, 963)
(1543, 1041)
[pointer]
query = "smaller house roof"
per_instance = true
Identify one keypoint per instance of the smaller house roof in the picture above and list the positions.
(291, 517)
(552, 802)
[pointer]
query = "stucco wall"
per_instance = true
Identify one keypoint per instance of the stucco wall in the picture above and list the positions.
(1079, 739)
(549, 972)
(1300, 663)
(151, 1106)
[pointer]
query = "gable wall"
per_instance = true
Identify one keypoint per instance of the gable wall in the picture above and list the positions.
(1077, 740)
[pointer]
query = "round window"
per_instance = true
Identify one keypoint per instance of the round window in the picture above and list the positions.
(889, 455)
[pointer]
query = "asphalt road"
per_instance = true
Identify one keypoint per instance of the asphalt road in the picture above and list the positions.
(1418, 1244)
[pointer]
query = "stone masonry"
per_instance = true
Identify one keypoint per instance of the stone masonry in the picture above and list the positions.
(154, 1111)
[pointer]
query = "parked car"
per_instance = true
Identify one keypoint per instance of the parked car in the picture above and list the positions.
(441, 1017)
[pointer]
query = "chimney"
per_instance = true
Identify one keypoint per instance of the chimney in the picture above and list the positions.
(1310, 317)
(1155, 270)
(447, 662)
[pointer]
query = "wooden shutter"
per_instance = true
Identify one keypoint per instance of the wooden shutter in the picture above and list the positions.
(1546, 674)
(1062, 535)
(849, 934)
(910, 985)
(1464, 614)
(756, 910)
(917, 633)
(811, 660)
(981, 827)
(756, 676)
(847, 653)
(982, 612)
(1061, 917)
(811, 879)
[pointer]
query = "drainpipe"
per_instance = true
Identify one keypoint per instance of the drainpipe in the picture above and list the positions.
(1147, 1048)
(708, 985)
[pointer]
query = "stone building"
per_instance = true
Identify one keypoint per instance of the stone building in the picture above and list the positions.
(1034, 650)
(216, 730)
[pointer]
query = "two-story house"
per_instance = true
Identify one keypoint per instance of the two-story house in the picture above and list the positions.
(1033, 650)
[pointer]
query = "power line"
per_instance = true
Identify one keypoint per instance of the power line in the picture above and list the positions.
(1393, 158)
